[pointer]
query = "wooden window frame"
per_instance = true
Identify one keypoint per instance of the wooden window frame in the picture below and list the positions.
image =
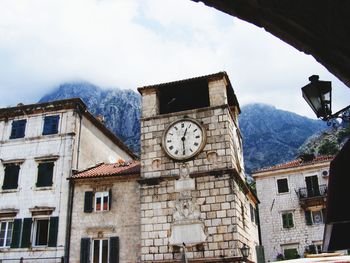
(7, 222)
(101, 195)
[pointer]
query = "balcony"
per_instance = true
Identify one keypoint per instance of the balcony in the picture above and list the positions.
(312, 196)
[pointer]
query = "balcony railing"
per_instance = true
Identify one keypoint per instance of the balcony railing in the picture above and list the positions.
(304, 193)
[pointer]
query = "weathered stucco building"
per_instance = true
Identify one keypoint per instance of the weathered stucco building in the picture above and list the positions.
(292, 209)
(40, 146)
(193, 188)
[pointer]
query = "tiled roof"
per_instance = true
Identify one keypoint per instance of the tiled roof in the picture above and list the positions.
(112, 169)
(297, 163)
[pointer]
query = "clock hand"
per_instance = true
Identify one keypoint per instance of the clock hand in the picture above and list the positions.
(185, 132)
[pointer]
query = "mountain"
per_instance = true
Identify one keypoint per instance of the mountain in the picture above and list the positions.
(270, 136)
(120, 108)
(328, 142)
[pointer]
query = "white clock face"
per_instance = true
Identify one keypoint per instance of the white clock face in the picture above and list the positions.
(183, 139)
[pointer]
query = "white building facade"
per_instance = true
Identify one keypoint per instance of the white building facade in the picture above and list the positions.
(40, 145)
(292, 209)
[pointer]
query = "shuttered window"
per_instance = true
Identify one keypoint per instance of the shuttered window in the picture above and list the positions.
(11, 176)
(100, 251)
(53, 231)
(41, 232)
(26, 232)
(45, 174)
(287, 219)
(6, 228)
(88, 200)
(51, 125)
(101, 201)
(85, 250)
(16, 233)
(314, 217)
(18, 129)
(114, 250)
(282, 185)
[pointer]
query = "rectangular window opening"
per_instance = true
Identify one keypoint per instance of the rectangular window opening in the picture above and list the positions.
(6, 229)
(190, 96)
(41, 232)
(282, 185)
(18, 129)
(45, 174)
(11, 176)
(100, 251)
(101, 201)
(51, 124)
(287, 219)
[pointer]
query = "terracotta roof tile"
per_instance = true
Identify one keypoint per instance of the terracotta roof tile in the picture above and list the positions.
(112, 169)
(296, 163)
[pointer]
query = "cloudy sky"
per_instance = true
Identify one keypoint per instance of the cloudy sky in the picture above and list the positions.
(132, 43)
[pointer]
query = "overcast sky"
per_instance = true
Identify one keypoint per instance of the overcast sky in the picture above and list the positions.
(133, 43)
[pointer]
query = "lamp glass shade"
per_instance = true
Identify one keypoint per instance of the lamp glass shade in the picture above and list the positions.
(245, 251)
(318, 95)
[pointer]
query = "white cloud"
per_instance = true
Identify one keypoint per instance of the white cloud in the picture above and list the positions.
(130, 43)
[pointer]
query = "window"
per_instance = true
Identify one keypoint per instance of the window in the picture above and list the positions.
(11, 176)
(6, 228)
(101, 201)
(41, 232)
(44, 233)
(315, 217)
(18, 129)
(100, 251)
(291, 253)
(282, 185)
(287, 219)
(51, 124)
(45, 174)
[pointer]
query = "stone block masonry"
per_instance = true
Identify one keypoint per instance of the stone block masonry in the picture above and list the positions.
(219, 200)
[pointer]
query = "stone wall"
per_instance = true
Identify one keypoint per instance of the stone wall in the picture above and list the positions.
(123, 220)
(274, 236)
(218, 153)
(219, 200)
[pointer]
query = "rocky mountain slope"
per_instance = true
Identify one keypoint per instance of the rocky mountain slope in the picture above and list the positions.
(270, 136)
(120, 108)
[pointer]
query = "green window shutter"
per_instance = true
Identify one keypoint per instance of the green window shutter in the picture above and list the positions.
(16, 234)
(287, 219)
(85, 250)
(45, 172)
(114, 250)
(88, 200)
(284, 220)
(308, 218)
(11, 176)
(53, 231)
(110, 199)
(26, 233)
(290, 220)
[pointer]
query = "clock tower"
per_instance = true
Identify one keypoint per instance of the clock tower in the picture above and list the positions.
(194, 196)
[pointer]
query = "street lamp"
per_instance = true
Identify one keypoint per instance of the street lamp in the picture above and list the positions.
(245, 251)
(318, 94)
